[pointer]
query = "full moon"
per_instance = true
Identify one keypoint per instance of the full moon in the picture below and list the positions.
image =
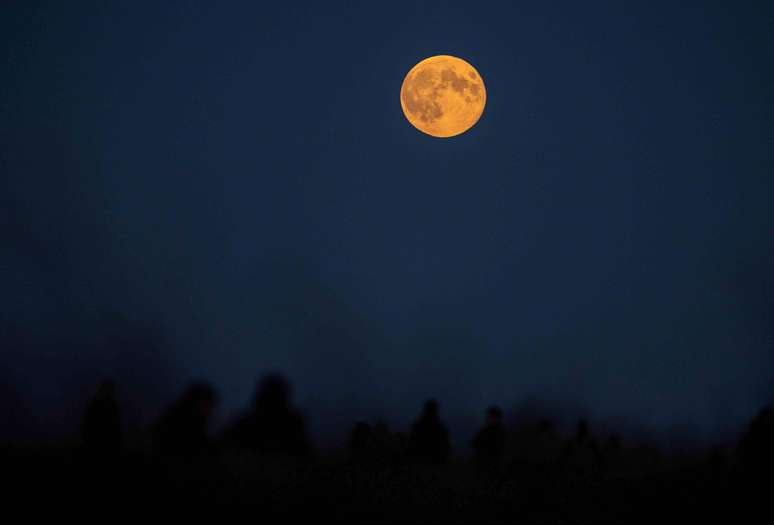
(443, 96)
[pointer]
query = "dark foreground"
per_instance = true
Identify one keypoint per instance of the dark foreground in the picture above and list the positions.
(272, 488)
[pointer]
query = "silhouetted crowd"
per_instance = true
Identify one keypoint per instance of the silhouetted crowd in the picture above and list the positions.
(523, 469)
(274, 426)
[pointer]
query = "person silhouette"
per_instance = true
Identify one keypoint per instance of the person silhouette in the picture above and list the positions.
(547, 444)
(272, 425)
(101, 424)
(361, 441)
(388, 447)
(582, 454)
(756, 448)
(489, 442)
(612, 454)
(429, 441)
(183, 430)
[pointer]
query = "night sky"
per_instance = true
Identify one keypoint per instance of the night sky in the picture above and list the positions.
(220, 189)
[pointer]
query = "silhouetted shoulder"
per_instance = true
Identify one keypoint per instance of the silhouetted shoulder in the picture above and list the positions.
(183, 429)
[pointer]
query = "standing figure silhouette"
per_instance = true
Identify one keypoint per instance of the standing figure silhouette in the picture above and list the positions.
(429, 437)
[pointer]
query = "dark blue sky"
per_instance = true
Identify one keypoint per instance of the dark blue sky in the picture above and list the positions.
(218, 189)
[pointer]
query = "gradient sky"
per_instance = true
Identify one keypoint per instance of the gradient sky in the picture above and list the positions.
(219, 189)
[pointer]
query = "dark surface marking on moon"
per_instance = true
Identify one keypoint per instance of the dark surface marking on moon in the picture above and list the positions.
(457, 83)
(422, 91)
(426, 107)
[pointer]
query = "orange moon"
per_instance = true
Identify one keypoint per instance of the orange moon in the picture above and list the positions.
(443, 96)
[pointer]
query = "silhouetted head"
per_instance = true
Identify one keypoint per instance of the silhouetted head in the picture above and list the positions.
(201, 398)
(361, 427)
(431, 409)
(583, 430)
(273, 391)
(106, 389)
(763, 423)
(494, 415)
(545, 426)
(381, 427)
(766, 414)
(361, 435)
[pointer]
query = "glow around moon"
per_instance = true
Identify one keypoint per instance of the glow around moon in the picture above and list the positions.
(443, 96)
